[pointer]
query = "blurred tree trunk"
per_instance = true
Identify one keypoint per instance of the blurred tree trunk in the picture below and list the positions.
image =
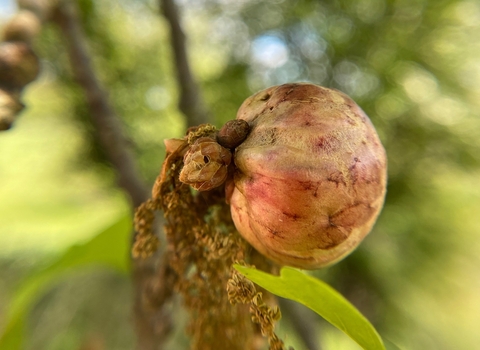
(151, 320)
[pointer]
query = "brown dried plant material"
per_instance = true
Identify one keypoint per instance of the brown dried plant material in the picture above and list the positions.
(203, 130)
(205, 164)
(242, 290)
(201, 255)
(146, 243)
(202, 244)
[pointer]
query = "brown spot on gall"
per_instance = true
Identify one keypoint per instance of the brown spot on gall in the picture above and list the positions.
(293, 216)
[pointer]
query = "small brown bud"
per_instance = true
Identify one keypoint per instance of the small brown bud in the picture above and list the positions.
(233, 133)
(205, 164)
(18, 65)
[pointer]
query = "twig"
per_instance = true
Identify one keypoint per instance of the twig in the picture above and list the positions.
(190, 103)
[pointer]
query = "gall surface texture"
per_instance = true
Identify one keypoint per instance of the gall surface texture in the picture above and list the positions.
(310, 177)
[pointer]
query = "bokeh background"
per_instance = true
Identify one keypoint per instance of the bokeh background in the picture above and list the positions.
(412, 65)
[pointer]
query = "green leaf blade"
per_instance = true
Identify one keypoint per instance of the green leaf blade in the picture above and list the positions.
(109, 248)
(320, 297)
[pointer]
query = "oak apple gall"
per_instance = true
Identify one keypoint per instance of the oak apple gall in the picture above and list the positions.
(310, 178)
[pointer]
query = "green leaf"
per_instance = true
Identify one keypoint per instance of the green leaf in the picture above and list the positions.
(108, 248)
(321, 298)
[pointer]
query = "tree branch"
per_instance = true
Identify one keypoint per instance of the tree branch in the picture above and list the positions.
(190, 103)
(152, 319)
(106, 121)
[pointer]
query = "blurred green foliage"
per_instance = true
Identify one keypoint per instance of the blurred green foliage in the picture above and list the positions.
(412, 65)
(109, 248)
